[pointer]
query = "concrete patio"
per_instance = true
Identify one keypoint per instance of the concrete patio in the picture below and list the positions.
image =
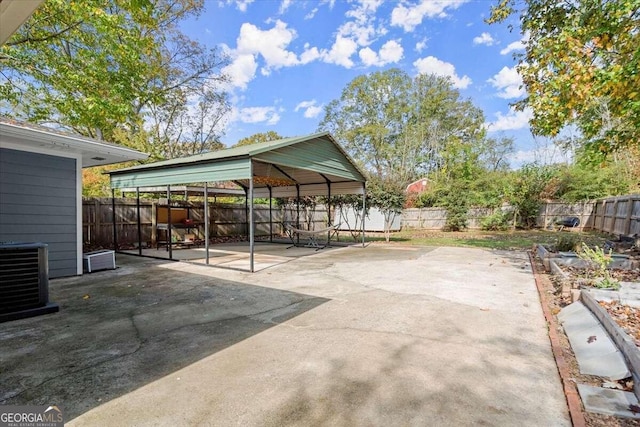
(235, 256)
(385, 335)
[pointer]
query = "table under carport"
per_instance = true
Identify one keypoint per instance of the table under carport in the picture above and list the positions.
(313, 165)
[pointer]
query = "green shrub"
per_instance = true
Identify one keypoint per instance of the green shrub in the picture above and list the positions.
(497, 221)
(567, 242)
(456, 204)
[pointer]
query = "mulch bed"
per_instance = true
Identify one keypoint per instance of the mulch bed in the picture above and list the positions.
(628, 318)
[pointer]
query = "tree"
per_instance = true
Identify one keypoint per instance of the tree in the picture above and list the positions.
(443, 126)
(581, 67)
(397, 127)
(525, 193)
(389, 199)
(259, 137)
(494, 154)
(368, 119)
(96, 65)
(190, 122)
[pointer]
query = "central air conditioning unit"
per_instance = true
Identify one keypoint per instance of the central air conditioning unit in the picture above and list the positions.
(24, 281)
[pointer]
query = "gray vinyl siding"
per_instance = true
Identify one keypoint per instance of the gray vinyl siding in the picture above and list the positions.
(38, 204)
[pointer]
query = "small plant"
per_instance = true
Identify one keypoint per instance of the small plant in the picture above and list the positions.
(601, 260)
(568, 242)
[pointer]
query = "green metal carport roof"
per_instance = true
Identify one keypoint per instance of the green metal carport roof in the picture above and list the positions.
(313, 165)
(311, 162)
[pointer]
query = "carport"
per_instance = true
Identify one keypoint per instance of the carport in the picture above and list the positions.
(313, 165)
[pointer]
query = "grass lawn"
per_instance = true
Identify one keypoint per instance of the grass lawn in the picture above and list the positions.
(514, 240)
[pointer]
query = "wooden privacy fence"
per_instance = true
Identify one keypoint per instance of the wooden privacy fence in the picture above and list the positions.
(617, 215)
(435, 218)
(552, 211)
(224, 220)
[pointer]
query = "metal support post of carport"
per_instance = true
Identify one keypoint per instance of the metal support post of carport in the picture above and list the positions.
(139, 221)
(169, 231)
(206, 221)
(251, 232)
(113, 217)
(364, 205)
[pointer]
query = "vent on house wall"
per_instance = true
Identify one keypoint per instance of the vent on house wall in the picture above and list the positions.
(24, 281)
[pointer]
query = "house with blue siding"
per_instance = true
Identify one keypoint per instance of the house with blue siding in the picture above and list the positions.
(41, 188)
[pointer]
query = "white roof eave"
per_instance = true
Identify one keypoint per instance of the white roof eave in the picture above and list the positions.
(93, 152)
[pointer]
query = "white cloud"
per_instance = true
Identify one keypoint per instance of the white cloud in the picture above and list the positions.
(410, 17)
(241, 5)
(484, 38)
(390, 52)
(310, 54)
(508, 82)
(361, 34)
(258, 115)
(421, 45)
(284, 6)
(271, 44)
(364, 9)
(544, 155)
(517, 45)
(311, 110)
(358, 31)
(341, 52)
(368, 56)
(242, 70)
(513, 120)
(432, 65)
(311, 14)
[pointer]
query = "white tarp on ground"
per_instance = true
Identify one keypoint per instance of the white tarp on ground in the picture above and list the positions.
(373, 222)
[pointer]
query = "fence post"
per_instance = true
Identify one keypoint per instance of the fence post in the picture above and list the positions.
(627, 220)
(97, 225)
(615, 216)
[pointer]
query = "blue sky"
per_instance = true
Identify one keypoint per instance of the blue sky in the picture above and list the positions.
(289, 58)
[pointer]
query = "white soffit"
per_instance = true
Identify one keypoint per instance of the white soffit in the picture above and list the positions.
(93, 152)
(14, 13)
